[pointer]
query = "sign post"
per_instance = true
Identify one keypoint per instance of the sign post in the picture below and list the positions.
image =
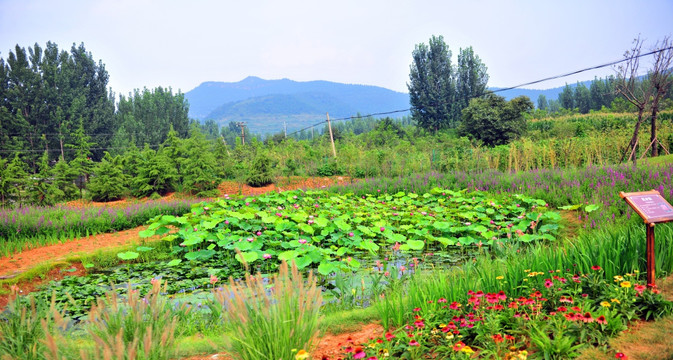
(654, 209)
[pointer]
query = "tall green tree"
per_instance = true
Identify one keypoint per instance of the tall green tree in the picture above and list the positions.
(199, 173)
(542, 103)
(567, 98)
(471, 79)
(582, 98)
(432, 89)
(5, 183)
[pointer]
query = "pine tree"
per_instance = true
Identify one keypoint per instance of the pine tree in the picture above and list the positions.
(5, 183)
(82, 163)
(199, 174)
(260, 172)
(18, 178)
(42, 189)
(108, 182)
(64, 181)
(155, 174)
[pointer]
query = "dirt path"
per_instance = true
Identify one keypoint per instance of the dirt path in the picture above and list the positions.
(18, 263)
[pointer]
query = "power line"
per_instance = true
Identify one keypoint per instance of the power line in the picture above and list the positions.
(71, 149)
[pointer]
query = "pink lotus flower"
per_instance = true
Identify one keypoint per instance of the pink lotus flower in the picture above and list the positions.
(267, 256)
(302, 241)
(259, 233)
(382, 229)
(213, 279)
(351, 234)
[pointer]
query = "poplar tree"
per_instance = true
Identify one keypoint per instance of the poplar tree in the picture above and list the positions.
(18, 178)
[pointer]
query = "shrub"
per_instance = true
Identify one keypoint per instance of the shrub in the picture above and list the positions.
(260, 172)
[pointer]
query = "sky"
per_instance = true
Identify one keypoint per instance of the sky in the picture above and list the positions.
(180, 44)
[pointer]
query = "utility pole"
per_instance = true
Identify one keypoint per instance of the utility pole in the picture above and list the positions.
(285, 128)
(331, 137)
(241, 124)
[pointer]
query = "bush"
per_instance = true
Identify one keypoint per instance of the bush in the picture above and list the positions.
(260, 172)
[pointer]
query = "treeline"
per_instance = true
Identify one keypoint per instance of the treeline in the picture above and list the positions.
(47, 94)
(600, 95)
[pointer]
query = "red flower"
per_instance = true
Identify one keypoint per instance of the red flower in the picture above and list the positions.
(417, 309)
(389, 336)
(587, 318)
(620, 356)
(497, 338)
(441, 300)
(359, 354)
(458, 346)
(595, 268)
(455, 305)
(413, 343)
(601, 320)
(509, 337)
(562, 309)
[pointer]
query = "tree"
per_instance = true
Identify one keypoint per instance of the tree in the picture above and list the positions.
(42, 189)
(18, 178)
(260, 172)
(64, 181)
(660, 79)
(82, 163)
(471, 79)
(582, 98)
(5, 183)
(431, 85)
(633, 91)
(566, 98)
(542, 103)
(108, 182)
(154, 173)
(199, 174)
(495, 121)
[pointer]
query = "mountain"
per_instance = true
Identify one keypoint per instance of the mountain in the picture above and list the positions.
(265, 104)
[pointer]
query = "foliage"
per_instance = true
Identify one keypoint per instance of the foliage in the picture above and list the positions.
(557, 314)
(198, 170)
(495, 121)
(154, 173)
(108, 182)
(272, 324)
(20, 329)
(260, 172)
(323, 230)
(41, 187)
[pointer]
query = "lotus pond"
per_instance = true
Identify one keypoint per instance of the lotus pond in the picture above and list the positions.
(358, 245)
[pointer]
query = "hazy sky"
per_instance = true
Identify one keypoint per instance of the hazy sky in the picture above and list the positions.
(181, 44)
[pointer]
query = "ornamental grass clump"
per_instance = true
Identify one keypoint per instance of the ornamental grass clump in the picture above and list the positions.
(271, 320)
(132, 328)
(20, 328)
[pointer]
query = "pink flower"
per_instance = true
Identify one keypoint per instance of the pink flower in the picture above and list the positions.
(351, 234)
(259, 233)
(267, 256)
(213, 279)
(382, 229)
(413, 343)
(359, 354)
(302, 241)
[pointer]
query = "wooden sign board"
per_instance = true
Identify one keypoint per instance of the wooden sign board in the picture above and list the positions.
(654, 209)
(650, 205)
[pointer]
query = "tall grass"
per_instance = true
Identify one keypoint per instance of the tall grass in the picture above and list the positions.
(269, 321)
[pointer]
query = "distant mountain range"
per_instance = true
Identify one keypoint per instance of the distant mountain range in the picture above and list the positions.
(265, 105)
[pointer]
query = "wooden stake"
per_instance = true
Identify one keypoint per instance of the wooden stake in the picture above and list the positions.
(331, 137)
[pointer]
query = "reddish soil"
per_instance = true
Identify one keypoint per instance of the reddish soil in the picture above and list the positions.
(17, 263)
(292, 183)
(58, 273)
(329, 346)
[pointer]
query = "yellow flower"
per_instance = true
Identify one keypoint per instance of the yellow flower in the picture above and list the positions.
(625, 284)
(467, 350)
(618, 278)
(605, 304)
(386, 353)
(527, 270)
(499, 277)
(371, 346)
(531, 274)
(301, 355)
(525, 279)
(449, 336)
(442, 325)
(615, 301)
